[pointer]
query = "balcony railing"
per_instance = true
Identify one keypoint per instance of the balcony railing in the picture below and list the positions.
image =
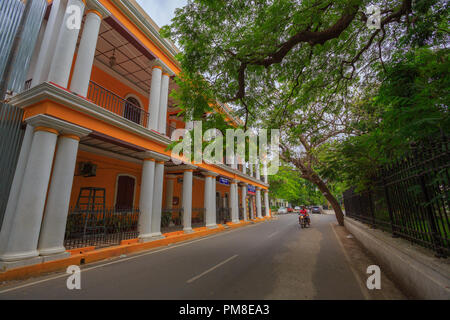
(112, 102)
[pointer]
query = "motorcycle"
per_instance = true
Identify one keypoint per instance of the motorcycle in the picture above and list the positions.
(303, 221)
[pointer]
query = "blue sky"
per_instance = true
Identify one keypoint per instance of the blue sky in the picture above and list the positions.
(161, 11)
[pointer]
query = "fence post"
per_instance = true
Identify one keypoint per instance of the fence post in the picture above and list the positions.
(388, 202)
(372, 211)
(431, 219)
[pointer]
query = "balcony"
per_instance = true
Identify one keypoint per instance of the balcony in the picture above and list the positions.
(114, 103)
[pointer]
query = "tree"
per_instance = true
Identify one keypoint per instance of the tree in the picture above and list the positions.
(301, 66)
(287, 184)
(411, 107)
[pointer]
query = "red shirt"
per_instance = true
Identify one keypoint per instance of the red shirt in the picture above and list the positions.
(303, 212)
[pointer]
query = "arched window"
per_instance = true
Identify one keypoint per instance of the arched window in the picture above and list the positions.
(132, 110)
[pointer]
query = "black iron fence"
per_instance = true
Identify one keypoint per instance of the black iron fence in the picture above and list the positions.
(100, 228)
(223, 215)
(410, 198)
(241, 213)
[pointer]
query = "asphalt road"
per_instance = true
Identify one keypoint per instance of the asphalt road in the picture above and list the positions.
(269, 260)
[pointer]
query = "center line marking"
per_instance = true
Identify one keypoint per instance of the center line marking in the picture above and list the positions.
(271, 235)
(211, 269)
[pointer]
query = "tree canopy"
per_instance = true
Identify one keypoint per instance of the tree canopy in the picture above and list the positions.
(310, 68)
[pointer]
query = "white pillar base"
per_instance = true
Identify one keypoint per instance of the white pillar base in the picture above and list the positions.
(8, 265)
(58, 256)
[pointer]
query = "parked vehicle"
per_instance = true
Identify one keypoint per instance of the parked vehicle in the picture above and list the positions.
(316, 209)
(290, 210)
(282, 210)
(297, 209)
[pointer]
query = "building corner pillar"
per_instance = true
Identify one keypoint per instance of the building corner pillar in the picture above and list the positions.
(51, 238)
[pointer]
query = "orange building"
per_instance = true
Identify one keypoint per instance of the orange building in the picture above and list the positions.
(93, 166)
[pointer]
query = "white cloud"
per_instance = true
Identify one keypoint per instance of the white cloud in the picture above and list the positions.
(161, 11)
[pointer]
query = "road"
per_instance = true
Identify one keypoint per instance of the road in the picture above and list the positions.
(269, 260)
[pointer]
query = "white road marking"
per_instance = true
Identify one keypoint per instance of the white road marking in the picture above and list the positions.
(271, 235)
(126, 259)
(211, 269)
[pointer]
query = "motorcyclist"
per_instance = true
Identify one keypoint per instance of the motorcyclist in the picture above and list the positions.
(304, 213)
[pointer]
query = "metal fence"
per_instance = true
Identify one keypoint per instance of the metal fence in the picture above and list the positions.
(100, 228)
(410, 197)
(223, 215)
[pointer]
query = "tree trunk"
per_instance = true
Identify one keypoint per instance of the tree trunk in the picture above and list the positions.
(332, 200)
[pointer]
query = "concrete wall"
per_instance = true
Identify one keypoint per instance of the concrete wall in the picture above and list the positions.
(416, 269)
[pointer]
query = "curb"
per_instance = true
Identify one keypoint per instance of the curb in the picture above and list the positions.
(87, 255)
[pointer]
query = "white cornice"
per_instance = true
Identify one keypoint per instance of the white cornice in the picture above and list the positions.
(63, 127)
(96, 5)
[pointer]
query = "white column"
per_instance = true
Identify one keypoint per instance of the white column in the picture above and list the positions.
(65, 48)
(234, 202)
(164, 97)
(37, 47)
(47, 48)
(86, 52)
(155, 94)
(51, 239)
(258, 202)
(213, 207)
(266, 202)
(24, 233)
(187, 200)
(146, 199)
(244, 198)
(170, 181)
(157, 199)
(251, 169)
(16, 185)
(210, 201)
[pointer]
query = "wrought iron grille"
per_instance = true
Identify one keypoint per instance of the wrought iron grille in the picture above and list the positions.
(100, 228)
(410, 198)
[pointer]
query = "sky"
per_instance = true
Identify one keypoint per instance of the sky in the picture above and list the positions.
(161, 11)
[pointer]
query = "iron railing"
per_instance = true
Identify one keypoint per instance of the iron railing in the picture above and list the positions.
(241, 213)
(100, 228)
(410, 198)
(172, 219)
(114, 103)
(222, 215)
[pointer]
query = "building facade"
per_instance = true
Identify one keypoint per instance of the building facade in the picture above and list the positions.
(94, 158)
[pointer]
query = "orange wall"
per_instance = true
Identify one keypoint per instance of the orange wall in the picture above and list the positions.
(107, 171)
(109, 82)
